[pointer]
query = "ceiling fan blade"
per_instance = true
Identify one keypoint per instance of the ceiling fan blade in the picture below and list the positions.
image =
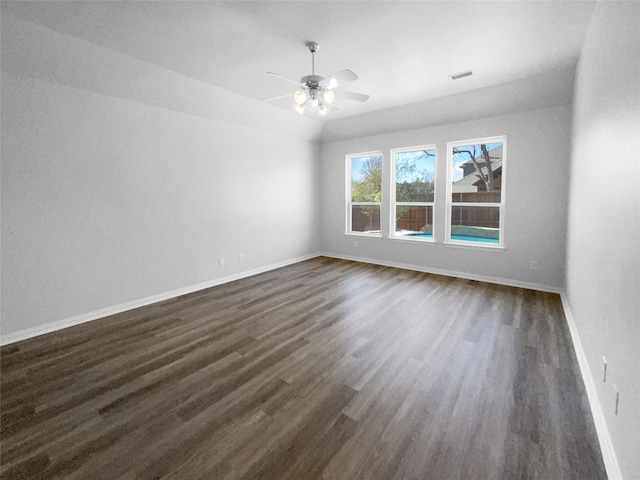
(338, 79)
(277, 97)
(358, 97)
(283, 78)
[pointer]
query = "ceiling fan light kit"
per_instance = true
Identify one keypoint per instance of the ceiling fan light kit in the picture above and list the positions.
(315, 92)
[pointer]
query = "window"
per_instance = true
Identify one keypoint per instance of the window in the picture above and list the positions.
(364, 193)
(413, 192)
(476, 183)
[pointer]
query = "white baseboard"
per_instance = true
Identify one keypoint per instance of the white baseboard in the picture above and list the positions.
(448, 273)
(608, 453)
(123, 307)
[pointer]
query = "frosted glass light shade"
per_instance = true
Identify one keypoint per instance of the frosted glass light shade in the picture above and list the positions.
(329, 96)
(300, 97)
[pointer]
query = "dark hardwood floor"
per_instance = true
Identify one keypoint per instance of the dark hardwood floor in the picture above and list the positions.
(326, 369)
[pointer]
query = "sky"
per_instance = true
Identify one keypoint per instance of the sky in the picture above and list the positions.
(424, 162)
(356, 166)
(459, 159)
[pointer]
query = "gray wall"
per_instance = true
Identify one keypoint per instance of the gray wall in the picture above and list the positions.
(113, 191)
(122, 180)
(535, 211)
(603, 254)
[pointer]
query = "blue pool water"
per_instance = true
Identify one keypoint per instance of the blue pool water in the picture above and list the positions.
(465, 238)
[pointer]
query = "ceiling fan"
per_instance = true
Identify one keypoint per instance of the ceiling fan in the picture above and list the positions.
(316, 92)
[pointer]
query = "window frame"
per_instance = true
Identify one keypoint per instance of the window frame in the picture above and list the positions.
(500, 206)
(350, 204)
(394, 203)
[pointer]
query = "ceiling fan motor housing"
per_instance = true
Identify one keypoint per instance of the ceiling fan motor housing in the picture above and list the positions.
(311, 82)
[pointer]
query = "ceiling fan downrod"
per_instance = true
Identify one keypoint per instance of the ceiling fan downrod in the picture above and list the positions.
(313, 48)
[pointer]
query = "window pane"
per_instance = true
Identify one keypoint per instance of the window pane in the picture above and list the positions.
(366, 178)
(365, 218)
(415, 174)
(475, 224)
(414, 222)
(477, 173)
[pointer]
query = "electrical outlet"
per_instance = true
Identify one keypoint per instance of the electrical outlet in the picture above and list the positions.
(221, 261)
(604, 369)
(241, 257)
(355, 243)
(533, 265)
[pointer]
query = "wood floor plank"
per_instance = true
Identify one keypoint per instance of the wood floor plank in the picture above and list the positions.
(326, 369)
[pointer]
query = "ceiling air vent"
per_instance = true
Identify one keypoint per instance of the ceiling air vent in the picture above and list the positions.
(456, 76)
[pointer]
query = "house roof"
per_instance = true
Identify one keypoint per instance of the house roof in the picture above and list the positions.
(467, 183)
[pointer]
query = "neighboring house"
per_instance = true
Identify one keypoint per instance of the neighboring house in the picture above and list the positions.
(472, 189)
(471, 182)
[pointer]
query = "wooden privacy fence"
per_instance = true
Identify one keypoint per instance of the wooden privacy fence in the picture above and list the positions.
(415, 218)
(476, 216)
(476, 197)
(365, 219)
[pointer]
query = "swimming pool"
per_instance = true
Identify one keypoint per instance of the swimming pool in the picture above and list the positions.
(464, 238)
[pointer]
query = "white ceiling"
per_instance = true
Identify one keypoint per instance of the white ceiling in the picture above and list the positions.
(403, 52)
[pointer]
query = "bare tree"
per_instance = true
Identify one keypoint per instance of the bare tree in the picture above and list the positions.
(487, 177)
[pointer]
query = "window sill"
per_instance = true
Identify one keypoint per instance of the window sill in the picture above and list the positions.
(365, 235)
(472, 246)
(428, 241)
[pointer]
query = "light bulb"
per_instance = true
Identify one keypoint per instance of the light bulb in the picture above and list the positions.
(322, 109)
(300, 97)
(329, 96)
(300, 107)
